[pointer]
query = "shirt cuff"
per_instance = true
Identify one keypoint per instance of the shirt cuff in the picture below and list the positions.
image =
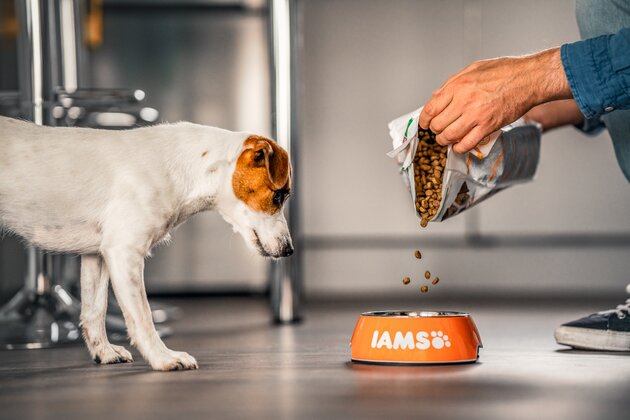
(591, 126)
(595, 85)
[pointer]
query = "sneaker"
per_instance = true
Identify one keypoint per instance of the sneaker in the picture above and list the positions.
(606, 330)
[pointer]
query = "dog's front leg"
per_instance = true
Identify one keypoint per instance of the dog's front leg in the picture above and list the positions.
(126, 268)
(94, 283)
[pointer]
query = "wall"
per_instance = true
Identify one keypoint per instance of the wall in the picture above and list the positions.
(366, 62)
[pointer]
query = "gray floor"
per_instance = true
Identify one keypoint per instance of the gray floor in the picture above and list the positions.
(249, 369)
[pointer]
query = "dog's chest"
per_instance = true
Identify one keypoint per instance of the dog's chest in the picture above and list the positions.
(179, 215)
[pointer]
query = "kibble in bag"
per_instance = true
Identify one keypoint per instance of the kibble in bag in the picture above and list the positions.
(444, 183)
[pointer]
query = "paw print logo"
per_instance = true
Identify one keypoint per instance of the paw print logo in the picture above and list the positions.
(439, 340)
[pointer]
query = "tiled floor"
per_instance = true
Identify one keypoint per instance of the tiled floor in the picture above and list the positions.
(249, 369)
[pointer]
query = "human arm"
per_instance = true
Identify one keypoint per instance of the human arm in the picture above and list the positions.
(489, 94)
(556, 114)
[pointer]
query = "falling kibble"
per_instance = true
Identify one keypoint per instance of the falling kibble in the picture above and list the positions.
(427, 274)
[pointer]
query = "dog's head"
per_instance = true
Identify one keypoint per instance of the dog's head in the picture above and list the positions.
(261, 183)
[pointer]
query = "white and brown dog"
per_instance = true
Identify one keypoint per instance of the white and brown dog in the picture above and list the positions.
(113, 195)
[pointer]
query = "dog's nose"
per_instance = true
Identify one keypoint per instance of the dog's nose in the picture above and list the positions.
(287, 250)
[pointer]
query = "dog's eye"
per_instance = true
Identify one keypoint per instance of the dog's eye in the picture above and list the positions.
(279, 197)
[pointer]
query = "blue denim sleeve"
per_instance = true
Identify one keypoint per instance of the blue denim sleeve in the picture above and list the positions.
(598, 72)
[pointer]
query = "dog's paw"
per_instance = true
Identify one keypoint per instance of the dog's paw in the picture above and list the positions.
(174, 360)
(113, 354)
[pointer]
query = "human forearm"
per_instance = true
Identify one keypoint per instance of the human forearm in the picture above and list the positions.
(550, 80)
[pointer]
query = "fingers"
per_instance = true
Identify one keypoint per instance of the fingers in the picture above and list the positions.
(445, 119)
(455, 131)
(472, 139)
(462, 131)
(440, 100)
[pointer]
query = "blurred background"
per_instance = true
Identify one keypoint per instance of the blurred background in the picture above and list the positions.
(359, 65)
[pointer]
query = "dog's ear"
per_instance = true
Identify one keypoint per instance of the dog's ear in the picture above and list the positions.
(279, 167)
(265, 152)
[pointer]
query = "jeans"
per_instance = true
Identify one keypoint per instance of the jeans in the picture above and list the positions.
(599, 17)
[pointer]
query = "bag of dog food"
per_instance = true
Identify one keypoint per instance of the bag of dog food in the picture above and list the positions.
(444, 183)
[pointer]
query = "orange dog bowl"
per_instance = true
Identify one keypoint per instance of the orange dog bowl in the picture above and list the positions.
(404, 337)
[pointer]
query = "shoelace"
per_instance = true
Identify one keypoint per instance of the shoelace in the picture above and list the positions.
(622, 310)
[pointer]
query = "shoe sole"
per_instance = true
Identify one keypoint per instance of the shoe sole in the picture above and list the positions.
(591, 339)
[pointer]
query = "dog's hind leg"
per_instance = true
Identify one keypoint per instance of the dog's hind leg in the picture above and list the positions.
(126, 267)
(94, 283)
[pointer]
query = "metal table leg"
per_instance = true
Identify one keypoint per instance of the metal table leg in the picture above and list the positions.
(285, 276)
(41, 314)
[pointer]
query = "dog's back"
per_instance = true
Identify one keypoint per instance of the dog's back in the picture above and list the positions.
(55, 183)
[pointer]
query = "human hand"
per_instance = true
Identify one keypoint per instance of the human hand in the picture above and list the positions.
(489, 94)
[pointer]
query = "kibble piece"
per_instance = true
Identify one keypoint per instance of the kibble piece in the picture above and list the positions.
(435, 280)
(427, 275)
(424, 289)
(418, 254)
(424, 222)
(406, 280)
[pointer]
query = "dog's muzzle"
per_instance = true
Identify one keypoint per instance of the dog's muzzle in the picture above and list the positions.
(284, 250)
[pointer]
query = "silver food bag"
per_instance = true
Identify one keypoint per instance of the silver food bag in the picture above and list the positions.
(506, 157)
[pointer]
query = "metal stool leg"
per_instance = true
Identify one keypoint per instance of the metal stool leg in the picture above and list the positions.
(40, 315)
(285, 278)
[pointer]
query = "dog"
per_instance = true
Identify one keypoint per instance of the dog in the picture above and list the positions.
(111, 196)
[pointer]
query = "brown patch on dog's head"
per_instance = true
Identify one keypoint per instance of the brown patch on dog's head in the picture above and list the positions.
(262, 177)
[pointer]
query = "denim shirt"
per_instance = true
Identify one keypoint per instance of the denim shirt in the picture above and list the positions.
(598, 72)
